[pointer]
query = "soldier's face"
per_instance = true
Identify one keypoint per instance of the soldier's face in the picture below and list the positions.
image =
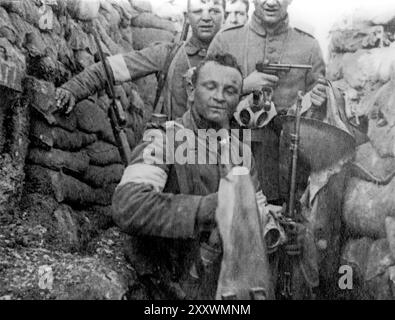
(217, 93)
(271, 11)
(206, 18)
(236, 13)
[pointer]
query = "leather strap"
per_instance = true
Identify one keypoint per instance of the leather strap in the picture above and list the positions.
(162, 77)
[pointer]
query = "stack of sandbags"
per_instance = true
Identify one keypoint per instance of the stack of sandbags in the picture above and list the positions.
(362, 62)
(362, 54)
(73, 158)
(369, 204)
(149, 27)
(373, 265)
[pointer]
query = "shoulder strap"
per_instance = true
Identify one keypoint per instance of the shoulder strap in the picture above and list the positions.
(162, 76)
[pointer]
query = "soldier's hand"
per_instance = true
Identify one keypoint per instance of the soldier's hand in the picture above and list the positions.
(65, 100)
(206, 213)
(296, 237)
(257, 80)
(318, 94)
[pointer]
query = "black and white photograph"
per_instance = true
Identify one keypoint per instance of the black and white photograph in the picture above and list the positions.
(224, 151)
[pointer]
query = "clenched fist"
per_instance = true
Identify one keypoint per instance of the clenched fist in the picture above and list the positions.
(318, 94)
(258, 80)
(65, 100)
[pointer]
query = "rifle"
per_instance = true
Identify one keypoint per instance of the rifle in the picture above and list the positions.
(277, 68)
(116, 113)
(288, 262)
(162, 75)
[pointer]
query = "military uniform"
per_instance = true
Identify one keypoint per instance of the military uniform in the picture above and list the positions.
(253, 43)
(137, 64)
(160, 212)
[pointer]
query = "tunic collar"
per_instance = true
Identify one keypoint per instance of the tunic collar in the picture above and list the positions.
(258, 27)
(193, 121)
(194, 47)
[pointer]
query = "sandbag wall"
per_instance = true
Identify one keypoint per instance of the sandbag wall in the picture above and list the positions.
(148, 28)
(362, 61)
(74, 158)
(58, 172)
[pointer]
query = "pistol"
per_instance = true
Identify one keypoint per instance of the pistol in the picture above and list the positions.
(276, 68)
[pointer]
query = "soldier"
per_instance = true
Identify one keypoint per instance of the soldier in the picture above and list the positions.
(169, 208)
(236, 12)
(205, 18)
(268, 37)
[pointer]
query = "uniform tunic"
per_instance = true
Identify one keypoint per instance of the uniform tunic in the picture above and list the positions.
(252, 43)
(150, 205)
(138, 64)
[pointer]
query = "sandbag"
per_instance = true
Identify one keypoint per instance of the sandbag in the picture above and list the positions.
(46, 136)
(335, 67)
(382, 120)
(390, 230)
(77, 39)
(353, 40)
(11, 72)
(125, 7)
(356, 254)
(127, 38)
(366, 206)
(6, 28)
(92, 119)
(48, 69)
(34, 44)
(55, 159)
(102, 154)
(99, 177)
(380, 261)
(372, 265)
(169, 9)
(84, 10)
(71, 190)
(109, 44)
(373, 14)
(144, 37)
(110, 13)
(142, 5)
(66, 189)
(22, 27)
(149, 20)
(26, 9)
(369, 166)
(66, 121)
(41, 95)
(369, 66)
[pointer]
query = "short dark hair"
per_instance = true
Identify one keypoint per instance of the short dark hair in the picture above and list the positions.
(223, 59)
(189, 3)
(246, 2)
